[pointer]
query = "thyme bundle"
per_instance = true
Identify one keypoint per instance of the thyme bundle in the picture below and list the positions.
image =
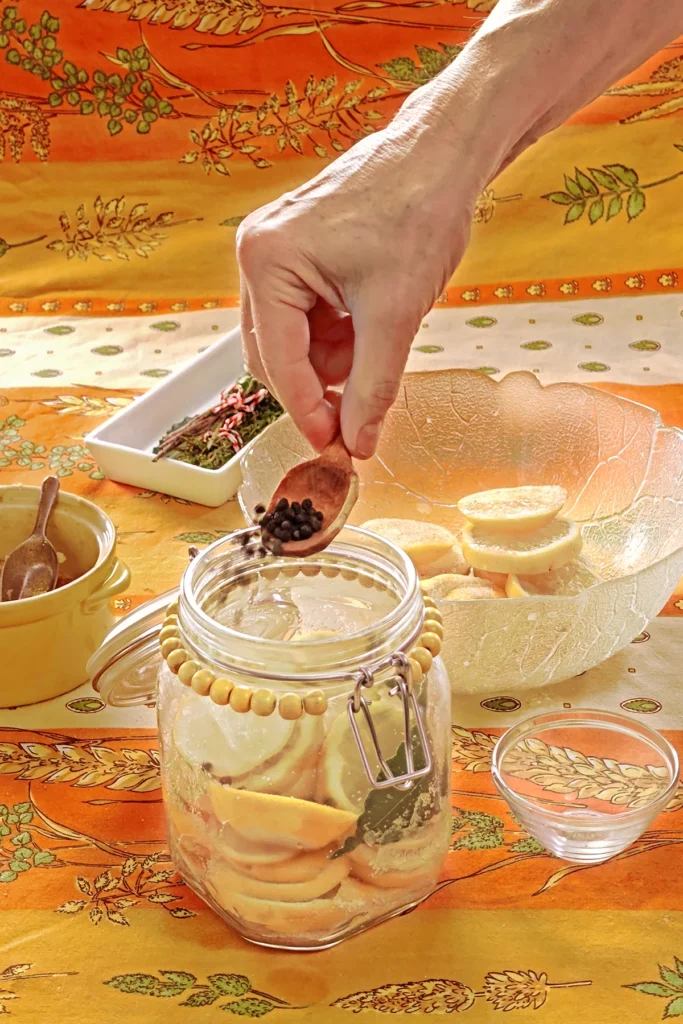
(212, 438)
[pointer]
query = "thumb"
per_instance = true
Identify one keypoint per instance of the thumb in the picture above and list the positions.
(382, 344)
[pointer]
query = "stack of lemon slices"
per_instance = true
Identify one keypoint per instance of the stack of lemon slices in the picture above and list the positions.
(260, 807)
(513, 545)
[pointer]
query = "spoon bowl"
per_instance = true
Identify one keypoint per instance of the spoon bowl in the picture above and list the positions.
(331, 483)
(32, 568)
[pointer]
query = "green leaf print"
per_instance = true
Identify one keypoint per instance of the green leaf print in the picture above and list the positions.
(528, 845)
(614, 207)
(404, 69)
(199, 537)
(475, 830)
(85, 705)
(107, 350)
(428, 349)
(635, 204)
(231, 222)
(156, 372)
(47, 373)
(166, 325)
(618, 183)
(205, 997)
(626, 175)
(572, 187)
(670, 986)
(588, 186)
(236, 987)
(248, 1007)
(604, 178)
(594, 367)
(60, 329)
(501, 704)
(181, 978)
(588, 319)
(487, 371)
(230, 984)
(642, 706)
(562, 198)
(481, 321)
(536, 346)
(574, 212)
(652, 988)
(645, 346)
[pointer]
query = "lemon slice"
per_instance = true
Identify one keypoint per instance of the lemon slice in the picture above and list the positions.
(515, 588)
(229, 744)
(343, 778)
(312, 917)
(453, 561)
(395, 867)
(328, 877)
(509, 509)
(495, 579)
(243, 851)
(441, 586)
(525, 553)
(280, 820)
(572, 578)
(282, 774)
(302, 867)
(422, 542)
(475, 594)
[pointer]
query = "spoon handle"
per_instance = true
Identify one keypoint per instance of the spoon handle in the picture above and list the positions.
(336, 451)
(48, 495)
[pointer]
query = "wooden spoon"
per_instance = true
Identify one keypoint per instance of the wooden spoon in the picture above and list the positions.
(32, 568)
(331, 482)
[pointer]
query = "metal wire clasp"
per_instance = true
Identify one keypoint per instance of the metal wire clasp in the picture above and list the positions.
(411, 712)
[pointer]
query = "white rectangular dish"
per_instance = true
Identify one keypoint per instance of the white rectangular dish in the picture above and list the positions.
(123, 446)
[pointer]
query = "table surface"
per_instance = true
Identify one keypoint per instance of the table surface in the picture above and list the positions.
(95, 923)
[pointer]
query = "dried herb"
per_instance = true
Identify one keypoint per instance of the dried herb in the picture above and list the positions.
(389, 813)
(212, 438)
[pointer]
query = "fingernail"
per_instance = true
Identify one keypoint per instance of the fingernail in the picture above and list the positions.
(367, 439)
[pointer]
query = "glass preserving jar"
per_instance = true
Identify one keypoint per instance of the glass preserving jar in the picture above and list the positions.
(304, 723)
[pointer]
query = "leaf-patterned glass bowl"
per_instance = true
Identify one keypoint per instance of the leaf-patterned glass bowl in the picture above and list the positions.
(455, 432)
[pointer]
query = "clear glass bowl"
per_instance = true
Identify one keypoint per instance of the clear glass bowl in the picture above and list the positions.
(586, 784)
(454, 432)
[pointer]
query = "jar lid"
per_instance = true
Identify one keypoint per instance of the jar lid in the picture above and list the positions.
(124, 669)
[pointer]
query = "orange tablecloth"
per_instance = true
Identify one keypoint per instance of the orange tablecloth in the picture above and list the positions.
(94, 923)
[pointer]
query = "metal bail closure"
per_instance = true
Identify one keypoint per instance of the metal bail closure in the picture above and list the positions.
(411, 712)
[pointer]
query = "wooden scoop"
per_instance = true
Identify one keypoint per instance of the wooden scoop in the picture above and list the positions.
(331, 482)
(32, 568)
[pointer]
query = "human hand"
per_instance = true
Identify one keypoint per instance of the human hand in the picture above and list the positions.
(337, 276)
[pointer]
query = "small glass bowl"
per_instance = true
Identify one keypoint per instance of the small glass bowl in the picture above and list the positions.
(584, 783)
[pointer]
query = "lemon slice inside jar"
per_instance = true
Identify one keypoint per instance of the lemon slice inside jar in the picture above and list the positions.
(508, 509)
(280, 820)
(549, 547)
(226, 881)
(291, 771)
(344, 781)
(229, 745)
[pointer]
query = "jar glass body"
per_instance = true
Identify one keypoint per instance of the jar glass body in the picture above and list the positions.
(272, 815)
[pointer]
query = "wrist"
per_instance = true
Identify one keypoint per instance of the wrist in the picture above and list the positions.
(525, 72)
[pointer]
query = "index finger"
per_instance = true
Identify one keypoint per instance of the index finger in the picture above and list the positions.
(283, 336)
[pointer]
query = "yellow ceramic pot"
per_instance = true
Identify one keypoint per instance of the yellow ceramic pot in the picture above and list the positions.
(46, 641)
